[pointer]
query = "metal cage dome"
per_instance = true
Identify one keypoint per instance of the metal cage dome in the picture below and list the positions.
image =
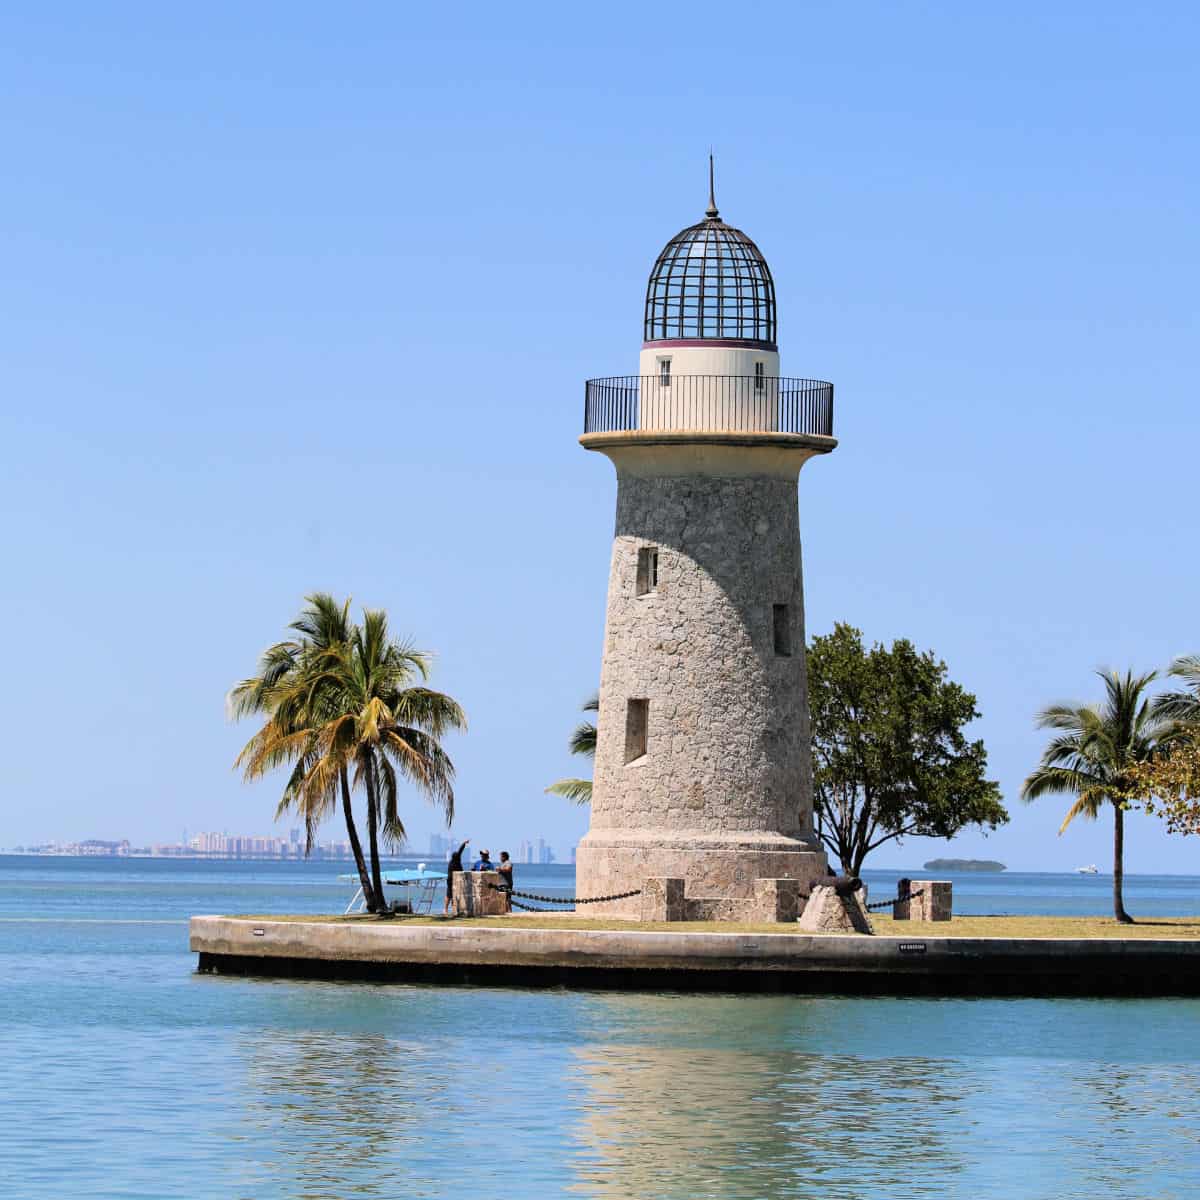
(712, 282)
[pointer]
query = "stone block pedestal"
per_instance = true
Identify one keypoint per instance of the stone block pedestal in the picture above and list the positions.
(776, 900)
(935, 903)
(474, 894)
(662, 900)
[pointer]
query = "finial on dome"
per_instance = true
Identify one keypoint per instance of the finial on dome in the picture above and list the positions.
(711, 211)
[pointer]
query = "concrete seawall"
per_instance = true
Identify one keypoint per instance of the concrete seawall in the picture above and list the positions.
(461, 953)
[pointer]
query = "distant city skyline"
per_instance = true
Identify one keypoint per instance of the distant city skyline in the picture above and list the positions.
(225, 845)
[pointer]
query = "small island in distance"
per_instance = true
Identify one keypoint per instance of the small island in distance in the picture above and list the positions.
(964, 864)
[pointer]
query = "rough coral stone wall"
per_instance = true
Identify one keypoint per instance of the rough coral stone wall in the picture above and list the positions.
(727, 740)
(476, 894)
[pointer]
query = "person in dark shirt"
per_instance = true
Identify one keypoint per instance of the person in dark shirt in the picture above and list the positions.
(455, 864)
(506, 875)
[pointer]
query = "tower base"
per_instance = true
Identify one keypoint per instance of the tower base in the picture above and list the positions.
(712, 867)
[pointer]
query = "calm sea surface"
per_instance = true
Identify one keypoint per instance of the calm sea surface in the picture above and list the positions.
(125, 1074)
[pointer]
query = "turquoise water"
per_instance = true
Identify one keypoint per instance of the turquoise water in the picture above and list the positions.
(128, 1075)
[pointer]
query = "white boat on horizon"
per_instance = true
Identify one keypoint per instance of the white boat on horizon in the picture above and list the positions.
(1090, 869)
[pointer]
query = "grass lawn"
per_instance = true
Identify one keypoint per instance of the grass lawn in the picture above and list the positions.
(1003, 927)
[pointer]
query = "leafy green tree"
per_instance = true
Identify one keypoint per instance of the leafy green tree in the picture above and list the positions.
(583, 741)
(1094, 755)
(890, 759)
(354, 711)
(1168, 785)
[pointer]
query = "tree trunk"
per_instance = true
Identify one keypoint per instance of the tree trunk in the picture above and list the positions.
(355, 845)
(1119, 864)
(373, 835)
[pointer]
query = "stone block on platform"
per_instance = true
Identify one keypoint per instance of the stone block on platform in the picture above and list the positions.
(776, 900)
(932, 900)
(829, 912)
(477, 894)
(662, 899)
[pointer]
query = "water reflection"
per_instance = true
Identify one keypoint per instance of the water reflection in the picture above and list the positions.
(338, 1091)
(765, 1119)
(327, 1108)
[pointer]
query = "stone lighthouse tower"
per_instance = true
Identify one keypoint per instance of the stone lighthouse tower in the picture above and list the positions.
(703, 768)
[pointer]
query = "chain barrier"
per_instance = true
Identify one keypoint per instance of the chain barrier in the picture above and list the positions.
(879, 904)
(498, 887)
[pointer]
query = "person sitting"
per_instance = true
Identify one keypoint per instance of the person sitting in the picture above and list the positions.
(484, 862)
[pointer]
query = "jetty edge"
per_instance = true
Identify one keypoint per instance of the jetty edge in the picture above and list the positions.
(461, 952)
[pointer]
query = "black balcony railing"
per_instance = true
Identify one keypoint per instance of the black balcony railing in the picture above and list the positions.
(713, 403)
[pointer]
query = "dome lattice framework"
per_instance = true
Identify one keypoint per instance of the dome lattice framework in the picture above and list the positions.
(711, 281)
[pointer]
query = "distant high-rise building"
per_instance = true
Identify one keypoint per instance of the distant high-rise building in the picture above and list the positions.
(440, 846)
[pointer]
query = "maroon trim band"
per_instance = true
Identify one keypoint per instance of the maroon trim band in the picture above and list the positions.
(734, 343)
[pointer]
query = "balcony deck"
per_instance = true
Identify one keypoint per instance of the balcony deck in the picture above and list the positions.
(713, 404)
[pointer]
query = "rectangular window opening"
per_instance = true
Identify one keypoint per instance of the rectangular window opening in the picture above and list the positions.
(637, 718)
(647, 569)
(664, 372)
(783, 629)
(759, 376)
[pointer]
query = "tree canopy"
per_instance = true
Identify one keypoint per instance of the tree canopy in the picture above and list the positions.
(890, 758)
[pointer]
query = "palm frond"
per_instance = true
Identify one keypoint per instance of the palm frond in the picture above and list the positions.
(1086, 805)
(583, 739)
(578, 791)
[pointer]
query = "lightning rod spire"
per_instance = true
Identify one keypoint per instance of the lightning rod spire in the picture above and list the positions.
(711, 211)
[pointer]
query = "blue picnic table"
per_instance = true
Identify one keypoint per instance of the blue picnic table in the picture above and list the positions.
(421, 887)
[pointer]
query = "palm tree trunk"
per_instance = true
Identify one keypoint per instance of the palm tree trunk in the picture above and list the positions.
(373, 833)
(1119, 864)
(355, 845)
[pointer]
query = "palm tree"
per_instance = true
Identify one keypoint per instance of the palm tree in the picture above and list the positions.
(346, 713)
(389, 727)
(583, 741)
(1182, 707)
(292, 689)
(1092, 754)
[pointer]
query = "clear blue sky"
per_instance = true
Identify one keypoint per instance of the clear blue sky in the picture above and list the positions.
(298, 298)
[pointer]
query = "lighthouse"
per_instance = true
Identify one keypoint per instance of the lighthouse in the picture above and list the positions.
(703, 765)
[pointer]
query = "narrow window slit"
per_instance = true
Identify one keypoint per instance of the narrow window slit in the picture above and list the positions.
(647, 569)
(783, 629)
(637, 719)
